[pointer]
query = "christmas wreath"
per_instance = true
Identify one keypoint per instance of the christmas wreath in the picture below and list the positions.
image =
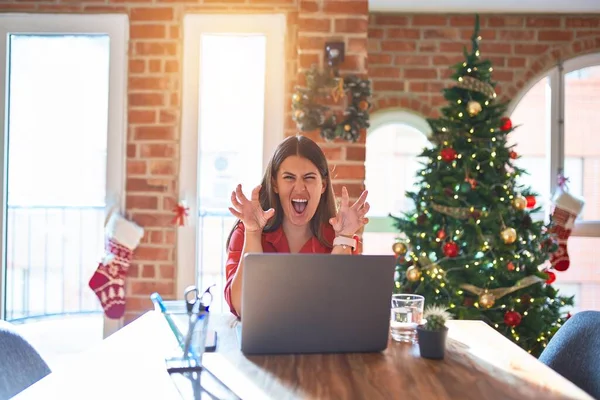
(323, 86)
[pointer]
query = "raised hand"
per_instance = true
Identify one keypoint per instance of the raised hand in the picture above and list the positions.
(250, 211)
(350, 219)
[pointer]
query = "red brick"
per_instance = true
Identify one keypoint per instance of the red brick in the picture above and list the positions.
(162, 167)
(157, 150)
(170, 237)
(154, 219)
(131, 150)
(555, 35)
(517, 62)
(354, 189)
(357, 45)
(528, 35)
(451, 47)
(167, 271)
(172, 66)
(149, 83)
(307, 60)
(148, 287)
(448, 60)
(146, 99)
(141, 303)
(168, 116)
(174, 32)
(344, 171)
(156, 237)
(314, 25)
(169, 203)
(142, 185)
(137, 66)
(462, 20)
(384, 72)
(375, 33)
(529, 49)
(153, 132)
(503, 75)
(441, 33)
(148, 271)
(498, 48)
(485, 34)
(390, 45)
(351, 25)
(142, 202)
(141, 116)
(346, 7)
(412, 60)
(388, 86)
(147, 31)
(402, 33)
(309, 6)
(311, 43)
(174, 99)
(151, 14)
(155, 49)
(543, 22)
(428, 47)
(332, 153)
(375, 59)
(136, 167)
(420, 73)
(155, 65)
(390, 19)
(18, 7)
(582, 22)
(429, 20)
(496, 22)
(355, 153)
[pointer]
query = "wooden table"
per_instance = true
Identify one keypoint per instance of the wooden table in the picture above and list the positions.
(480, 364)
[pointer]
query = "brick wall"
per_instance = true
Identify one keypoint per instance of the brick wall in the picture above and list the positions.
(410, 55)
(154, 112)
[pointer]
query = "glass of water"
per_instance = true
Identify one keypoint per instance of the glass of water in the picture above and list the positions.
(407, 313)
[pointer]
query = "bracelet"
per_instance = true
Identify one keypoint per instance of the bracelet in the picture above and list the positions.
(344, 241)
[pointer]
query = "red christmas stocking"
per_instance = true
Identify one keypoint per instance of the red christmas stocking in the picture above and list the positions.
(566, 209)
(108, 282)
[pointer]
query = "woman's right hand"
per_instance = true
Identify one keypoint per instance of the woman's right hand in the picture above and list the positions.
(250, 211)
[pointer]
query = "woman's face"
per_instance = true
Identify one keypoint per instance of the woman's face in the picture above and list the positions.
(299, 186)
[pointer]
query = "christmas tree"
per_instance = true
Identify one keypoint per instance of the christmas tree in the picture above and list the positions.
(470, 244)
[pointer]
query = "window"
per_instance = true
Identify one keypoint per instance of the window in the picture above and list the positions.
(233, 118)
(567, 92)
(394, 141)
(62, 121)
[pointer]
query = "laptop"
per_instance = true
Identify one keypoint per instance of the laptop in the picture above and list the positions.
(316, 303)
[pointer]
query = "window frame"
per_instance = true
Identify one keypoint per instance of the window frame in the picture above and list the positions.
(116, 26)
(556, 144)
(273, 26)
(378, 120)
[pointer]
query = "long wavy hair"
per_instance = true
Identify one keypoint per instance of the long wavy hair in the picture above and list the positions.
(301, 146)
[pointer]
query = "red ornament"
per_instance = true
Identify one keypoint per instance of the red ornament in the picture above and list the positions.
(510, 266)
(181, 212)
(551, 277)
(530, 201)
(512, 318)
(448, 154)
(441, 234)
(568, 316)
(505, 124)
(450, 249)
(513, 154)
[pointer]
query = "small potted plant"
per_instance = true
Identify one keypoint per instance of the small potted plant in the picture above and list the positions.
(432, 334)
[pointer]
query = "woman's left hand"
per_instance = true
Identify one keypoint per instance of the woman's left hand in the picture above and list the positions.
(350, 218)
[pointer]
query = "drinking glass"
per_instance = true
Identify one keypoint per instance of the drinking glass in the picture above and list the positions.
(407, 313)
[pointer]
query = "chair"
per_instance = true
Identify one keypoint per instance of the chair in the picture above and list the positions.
(20, 364)
(574, 351)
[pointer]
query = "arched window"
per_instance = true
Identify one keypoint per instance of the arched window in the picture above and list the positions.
(394, 141)
(571, 93)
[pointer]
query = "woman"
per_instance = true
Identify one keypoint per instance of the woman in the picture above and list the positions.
(292, 211)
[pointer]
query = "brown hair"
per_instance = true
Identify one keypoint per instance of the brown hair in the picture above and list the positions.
(301, 146)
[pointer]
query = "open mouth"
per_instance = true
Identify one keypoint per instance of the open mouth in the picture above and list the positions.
(299, 205)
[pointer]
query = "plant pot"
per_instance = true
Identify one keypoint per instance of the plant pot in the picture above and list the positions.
(432, 344)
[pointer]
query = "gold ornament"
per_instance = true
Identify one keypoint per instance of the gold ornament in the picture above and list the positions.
(299, 114)
(363, 105)
(413, 274)
(296, 97)
(520, 202)
(503, 291)
(487, 300)
(509, 235)
(347, 127)
(338, 90)
(399, 248)
(473, 108)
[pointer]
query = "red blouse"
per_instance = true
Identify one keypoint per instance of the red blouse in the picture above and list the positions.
(272, 242)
